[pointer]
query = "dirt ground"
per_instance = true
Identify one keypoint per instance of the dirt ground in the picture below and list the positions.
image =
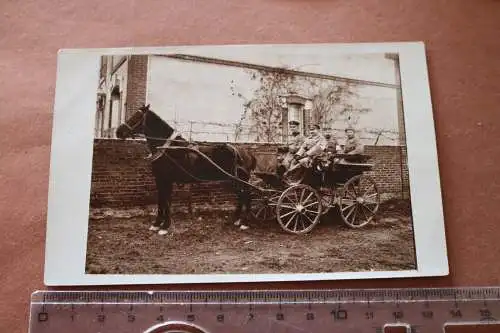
(209, 243)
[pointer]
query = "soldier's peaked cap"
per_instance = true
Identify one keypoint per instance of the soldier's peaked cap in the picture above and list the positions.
(294, 122)
(350, 128)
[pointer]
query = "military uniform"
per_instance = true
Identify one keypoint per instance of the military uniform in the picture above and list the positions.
(294, 145)
(332, 145)
(314, 145)
(353, 146)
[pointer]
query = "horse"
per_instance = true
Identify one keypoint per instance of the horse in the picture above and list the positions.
(173, 162)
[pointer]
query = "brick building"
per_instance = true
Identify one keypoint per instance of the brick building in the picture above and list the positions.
(122, 89)
(127, 82)
(122, 178)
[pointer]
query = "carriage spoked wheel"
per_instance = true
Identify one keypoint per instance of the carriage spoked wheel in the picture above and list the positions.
(264, 209)
(359, 201)
(299, 209)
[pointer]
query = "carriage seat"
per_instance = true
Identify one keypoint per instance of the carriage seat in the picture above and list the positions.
(355, 158)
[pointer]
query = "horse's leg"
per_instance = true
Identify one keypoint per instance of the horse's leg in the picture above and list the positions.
(244, 198)
(160, 204)
(248, 203)
(239, 206)
(167, 197)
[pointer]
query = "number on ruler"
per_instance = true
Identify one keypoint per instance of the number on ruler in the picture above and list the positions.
(339, 314)
(280, 316)
(131, 318)
(456, 313)
(369, 315)
(310, 316)
(220, 318)
(485, 314)
(398, 315)
(428, 314)
(101, 318)
(160, 318)
(43, 316)
(191, 317)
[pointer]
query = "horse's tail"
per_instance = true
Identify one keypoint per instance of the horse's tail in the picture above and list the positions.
(238, 155)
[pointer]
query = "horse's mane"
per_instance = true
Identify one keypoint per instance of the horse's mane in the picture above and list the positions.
(159, 124)
(163, 130)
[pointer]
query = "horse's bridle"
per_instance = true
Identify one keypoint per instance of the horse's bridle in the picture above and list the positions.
(142, 120)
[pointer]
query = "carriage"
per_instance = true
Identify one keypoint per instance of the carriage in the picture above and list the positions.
(298, 199)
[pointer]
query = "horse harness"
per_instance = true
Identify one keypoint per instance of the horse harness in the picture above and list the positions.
(160, 151)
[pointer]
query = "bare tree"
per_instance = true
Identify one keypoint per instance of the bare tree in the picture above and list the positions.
(264, 109)
(328, 99)
(331, 102)
(334, 101)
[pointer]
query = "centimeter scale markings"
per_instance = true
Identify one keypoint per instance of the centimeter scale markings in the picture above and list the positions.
(350, 311)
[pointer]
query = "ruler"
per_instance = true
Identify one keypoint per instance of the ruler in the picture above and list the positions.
(430, 310)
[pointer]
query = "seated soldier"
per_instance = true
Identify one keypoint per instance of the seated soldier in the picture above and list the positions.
(332, 149)
(295, 141)
(353, 145)
(314, 145)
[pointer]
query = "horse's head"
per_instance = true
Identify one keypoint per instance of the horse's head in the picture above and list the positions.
(145, 121)
(133, 125)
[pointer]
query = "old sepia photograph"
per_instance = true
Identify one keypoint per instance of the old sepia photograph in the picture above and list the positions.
(250, 161)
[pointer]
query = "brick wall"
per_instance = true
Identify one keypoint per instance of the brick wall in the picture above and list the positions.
(121, 177)
(390, 170)
(136, 83)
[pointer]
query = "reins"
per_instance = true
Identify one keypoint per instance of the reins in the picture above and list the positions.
(208, 159)
(235, 151)
(172, 139)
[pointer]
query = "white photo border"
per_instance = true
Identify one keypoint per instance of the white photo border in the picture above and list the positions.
(72, 143)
